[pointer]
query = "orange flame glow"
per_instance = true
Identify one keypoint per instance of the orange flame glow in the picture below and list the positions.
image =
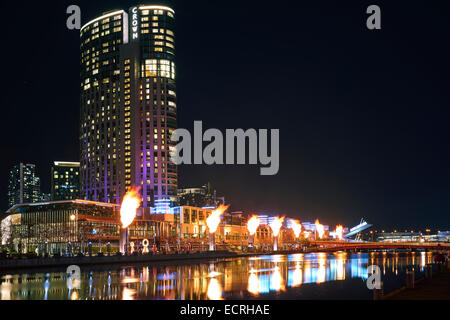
(276, 225)
(340, 232)
(253, 225)
(131, 202)
(296, 227)
(320, 229)
(214, 219)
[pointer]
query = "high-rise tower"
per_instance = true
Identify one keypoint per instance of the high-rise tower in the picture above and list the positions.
(128, 105)
(65, 181)
(23, 185)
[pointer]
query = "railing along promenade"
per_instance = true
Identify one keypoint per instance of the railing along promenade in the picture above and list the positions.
(344, 245)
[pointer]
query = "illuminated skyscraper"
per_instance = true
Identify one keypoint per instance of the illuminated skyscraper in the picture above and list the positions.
(23, 185)
(128, 105)
(65, 181)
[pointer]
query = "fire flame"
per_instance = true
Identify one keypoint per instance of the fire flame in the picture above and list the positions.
(131, 202)
(339, 232)
(320, 229)
(253, 225)
(276, 225)
(214, 219)
(296, 227)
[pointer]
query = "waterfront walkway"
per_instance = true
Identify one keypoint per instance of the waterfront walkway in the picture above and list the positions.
(437, 288)
(12, 264)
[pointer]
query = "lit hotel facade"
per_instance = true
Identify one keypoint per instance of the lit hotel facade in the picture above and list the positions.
(128, 105)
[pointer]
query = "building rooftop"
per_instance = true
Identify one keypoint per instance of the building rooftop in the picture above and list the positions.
(66, 164)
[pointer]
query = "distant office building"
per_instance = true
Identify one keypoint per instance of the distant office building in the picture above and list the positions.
(400, 237)
(414, 237)
(199, 197)
(65, 181)
(311, 227)
(23, 185)
(192, 197)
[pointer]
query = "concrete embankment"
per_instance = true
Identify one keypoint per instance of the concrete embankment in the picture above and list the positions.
(40, 263)
(13, 264)
(436, 287)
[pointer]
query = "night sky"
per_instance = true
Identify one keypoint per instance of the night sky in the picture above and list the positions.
(363, 115)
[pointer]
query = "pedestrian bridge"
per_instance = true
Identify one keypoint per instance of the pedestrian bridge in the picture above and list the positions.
(333, 246)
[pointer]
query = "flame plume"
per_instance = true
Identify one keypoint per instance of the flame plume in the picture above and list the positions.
(276, 225)
(253, 225)
(214, 219)
(340, 232)
(131, 202)
(296, 227)
(320, 229)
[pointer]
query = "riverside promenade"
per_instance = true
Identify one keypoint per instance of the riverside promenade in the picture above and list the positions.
(59, 262)
(435, 288)
(12, 264)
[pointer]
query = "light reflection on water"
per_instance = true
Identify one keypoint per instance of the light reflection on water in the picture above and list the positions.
(286, 276)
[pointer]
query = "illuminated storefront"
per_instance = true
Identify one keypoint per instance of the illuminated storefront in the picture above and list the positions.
(73, 226)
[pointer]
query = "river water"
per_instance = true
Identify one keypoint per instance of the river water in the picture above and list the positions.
(313, 276)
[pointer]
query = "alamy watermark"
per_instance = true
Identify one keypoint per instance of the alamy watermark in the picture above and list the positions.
(73, 277)
(374, 278)
(190, 150)
(74, 20)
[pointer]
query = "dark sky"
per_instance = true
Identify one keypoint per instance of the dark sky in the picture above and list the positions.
(363, 115)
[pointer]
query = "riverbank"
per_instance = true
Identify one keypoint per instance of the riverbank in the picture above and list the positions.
(37, 263)
(436, 288)
(13, 264)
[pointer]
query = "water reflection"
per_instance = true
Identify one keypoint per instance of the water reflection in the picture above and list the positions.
(253, 283)
(235, 278)
(214, 290)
